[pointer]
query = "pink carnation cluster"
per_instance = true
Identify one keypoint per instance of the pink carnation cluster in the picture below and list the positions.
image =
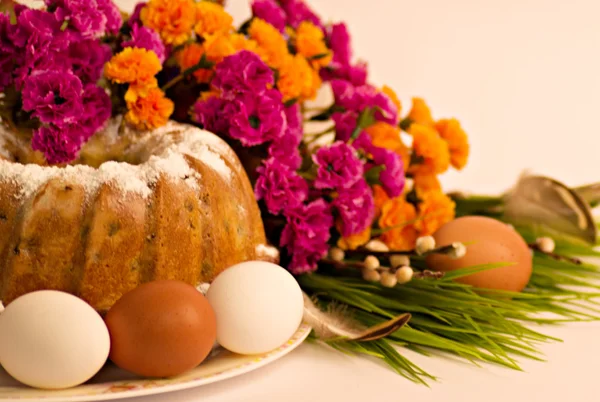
(55, 57)
(312, 191)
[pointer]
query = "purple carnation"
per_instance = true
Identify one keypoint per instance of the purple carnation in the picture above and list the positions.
(36, 26)
(114, 20)
(285, 149)
(97, 109)
(356, 208)
(269, 11)
(355, 74)
(59, 145)
(8, 52)
(84, 16)
(298, 11)
(339, 42)
(209, 113)
(279, 186)
(306, 235)
(87, 59)
(392, 177)
(135, 16)
(54, 97)
(339, 166)
(255, 119)
(358, 98)
(146, 38)
(242, 72)
(345, 123)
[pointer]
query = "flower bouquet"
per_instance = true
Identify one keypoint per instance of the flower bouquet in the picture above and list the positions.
(346, 178)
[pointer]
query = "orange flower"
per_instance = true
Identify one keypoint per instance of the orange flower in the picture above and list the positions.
(148, 109)
(386, 136)
(297, 80)
(392, 95)
(380, 197)
(398, 212)
(355, 241)
(172, 19)
(435, 210)
(132, 65)
(420, 113)
(191, 55)
(426, 182)
(211, 19)
(218, 47)
(430, 152)
(451, 131)
(273, 46)
(240, 42)
(310, 43)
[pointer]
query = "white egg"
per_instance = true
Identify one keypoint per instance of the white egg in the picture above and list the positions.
(52, 340)
(258, 306)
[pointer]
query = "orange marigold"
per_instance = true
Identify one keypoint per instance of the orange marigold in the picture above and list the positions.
(132, 65)
(420, 113)
(423, 183)
(191, 55)
(172, 19)
(273, 46)
(435, 210)
(211, 18)
(149, 109)
(310, 43)
(297, 80)
(451, 131)
(398, 212)
(386, 136)
(430, 152)
(392, 95)
(355, 241)
(380, 197)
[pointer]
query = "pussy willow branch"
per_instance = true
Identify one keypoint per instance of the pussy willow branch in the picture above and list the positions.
(556, 256)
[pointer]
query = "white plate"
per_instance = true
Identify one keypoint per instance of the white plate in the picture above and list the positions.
(113, 383)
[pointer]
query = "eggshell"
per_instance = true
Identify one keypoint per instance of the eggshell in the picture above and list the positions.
(259, 306)
(492, 242)
(161, 329)
(52, 340)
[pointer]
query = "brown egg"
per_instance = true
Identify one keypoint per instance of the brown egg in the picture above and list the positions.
(492, 242)
(161, 329)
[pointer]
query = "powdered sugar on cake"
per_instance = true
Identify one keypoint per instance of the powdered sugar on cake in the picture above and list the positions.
(165, 149)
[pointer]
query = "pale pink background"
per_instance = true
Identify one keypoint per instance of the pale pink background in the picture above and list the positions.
(524, 78)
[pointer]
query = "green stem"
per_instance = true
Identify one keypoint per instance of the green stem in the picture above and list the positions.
(204, 64)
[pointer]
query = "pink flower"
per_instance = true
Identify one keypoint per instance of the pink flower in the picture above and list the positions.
(306, 235)
(59, 145)
(209, 113)
(285, 149)
(242, 72)
(355, 74)
(392, 178)
(269, 11)
(8, 52)
(356, 208)
(297, 11)
(256, 118)
(339, 42)
(358, 98)
(146, 38)
(54, 97)
(97, 109)
(87, 59)
(279, 186)
(345, 123)
(135, 16)
(338, 166)
(114, 20)
(83, 16)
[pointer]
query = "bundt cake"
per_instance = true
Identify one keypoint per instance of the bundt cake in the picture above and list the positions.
(173, 203)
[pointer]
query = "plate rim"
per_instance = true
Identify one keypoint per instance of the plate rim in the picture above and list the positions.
(259, 361)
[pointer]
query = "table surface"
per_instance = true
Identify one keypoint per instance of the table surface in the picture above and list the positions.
(524, 79)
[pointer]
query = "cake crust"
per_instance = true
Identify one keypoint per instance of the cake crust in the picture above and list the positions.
(173, 203)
